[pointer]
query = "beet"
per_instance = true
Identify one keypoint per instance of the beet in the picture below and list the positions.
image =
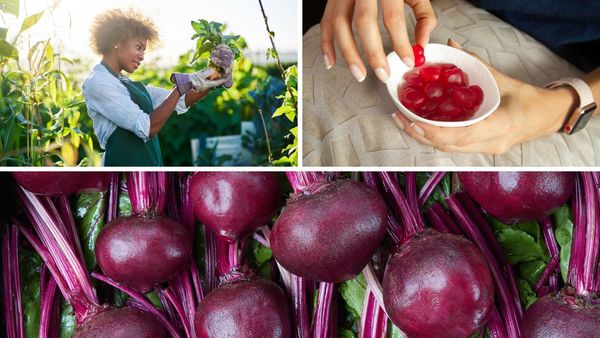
(121, 323)
(514, 197)
(246, 307)
(142, 252)
(56, 183)
(562, 316)
(330, 231)
(235, 204)
(438, 285)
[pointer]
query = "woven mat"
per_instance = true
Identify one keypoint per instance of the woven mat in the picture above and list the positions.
(346, 123)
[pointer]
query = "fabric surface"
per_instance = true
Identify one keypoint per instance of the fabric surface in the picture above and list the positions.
(346, 123)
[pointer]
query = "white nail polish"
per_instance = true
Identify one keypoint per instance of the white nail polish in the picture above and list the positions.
(357, 73)
(409, 61)
(327, 62)
(398, 122)
(382, 74)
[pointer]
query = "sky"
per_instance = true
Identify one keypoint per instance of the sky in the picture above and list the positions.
(70, 19)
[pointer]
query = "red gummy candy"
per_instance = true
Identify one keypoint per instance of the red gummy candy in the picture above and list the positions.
(433, 90)
(419, 55)
(453, 76)
(430, 72)
(412, 98)
(413, 79)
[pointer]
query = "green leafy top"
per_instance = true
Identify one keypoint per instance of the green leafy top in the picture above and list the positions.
(209, 35)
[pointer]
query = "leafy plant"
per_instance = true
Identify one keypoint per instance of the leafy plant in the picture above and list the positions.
(210, 35)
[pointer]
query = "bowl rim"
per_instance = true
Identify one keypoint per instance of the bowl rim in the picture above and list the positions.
(392, 88)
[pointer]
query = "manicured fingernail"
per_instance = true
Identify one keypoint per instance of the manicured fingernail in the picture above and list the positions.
(397, 121)
(410, 62)
(417, 129)
(327, 62)
(382, 74)
(357, 73)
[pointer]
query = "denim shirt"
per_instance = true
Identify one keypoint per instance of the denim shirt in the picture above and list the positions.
(110, 106)
(571, 28)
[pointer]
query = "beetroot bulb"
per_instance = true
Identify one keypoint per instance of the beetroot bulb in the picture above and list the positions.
(235, 204)
(435, 284)
(121, 323)
(244, 307)
(141, 251)
(329, 231)
(56, 183)
(438, 285)
(574, 311)
(514, 197)
(146, 248)
(562, 315)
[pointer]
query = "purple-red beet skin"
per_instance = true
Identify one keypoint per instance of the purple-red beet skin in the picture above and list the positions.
(143, 252)
(125, 322)
(514, 197)
(55, 183)
(244, 308)
(330, 232)
(235, 204)
(438, 285)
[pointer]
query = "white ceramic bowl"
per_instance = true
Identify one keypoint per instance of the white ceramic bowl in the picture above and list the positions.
(477, 74)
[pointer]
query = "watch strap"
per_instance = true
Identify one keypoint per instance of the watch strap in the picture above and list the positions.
(579, 117)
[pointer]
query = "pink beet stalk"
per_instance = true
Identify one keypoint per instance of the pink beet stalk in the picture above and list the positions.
(553, 250)
(13, 306)
(430, 186)
(393, 228)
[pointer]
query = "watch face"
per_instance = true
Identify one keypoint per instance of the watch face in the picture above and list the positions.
(583, 117)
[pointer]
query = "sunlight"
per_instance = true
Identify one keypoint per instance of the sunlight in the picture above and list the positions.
(67, 25)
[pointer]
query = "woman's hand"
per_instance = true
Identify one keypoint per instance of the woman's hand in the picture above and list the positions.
(525, 112)
(337, 21)
(204, 80)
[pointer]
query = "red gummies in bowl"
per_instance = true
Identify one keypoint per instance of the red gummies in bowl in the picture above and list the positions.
(440, 92)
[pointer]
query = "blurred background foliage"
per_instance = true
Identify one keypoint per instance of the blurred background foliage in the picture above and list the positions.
(44, 119)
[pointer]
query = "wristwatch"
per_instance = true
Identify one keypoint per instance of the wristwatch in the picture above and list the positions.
(579, 117)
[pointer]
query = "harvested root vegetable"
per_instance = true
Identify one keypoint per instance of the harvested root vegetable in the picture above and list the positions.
(235, 204)
(56, 183)
(244, 307)
(514, 197)
(438, 285)
(121, 323)
(330, 231)
(142, 252)
(562, 315)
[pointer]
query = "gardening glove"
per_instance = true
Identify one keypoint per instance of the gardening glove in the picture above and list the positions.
(200, 80)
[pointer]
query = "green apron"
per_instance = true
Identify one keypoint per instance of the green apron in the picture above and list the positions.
(123, 147)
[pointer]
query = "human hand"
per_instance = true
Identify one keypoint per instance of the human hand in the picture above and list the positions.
(337, 21)
(202, 80)
(525, 112)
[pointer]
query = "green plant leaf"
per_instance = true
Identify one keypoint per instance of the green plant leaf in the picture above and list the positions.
(3, 33)
(563, 230)
(10, 6)
(30, 265)
(8, 50)
(519, 246)
(283, 110)
(89, 217)
(353, 292)
(67, 320)
(30, 21)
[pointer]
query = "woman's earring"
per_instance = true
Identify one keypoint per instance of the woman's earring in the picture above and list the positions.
(116, 47)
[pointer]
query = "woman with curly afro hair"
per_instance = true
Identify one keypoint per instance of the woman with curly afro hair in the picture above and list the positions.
(128, 115)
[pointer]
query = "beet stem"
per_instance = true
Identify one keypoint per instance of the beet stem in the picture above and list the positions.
(47, 306)
(185, 320)
(592, 245)
(507, 305)
(147, 306)
(548, 271)
(12, 282)
(496, 326)
(373, 284)
(575, 274)
(393, 228)
(411, 226)
(61, 256)
(411, 195)
(112, 208)
(430, 186)
(322, 314)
